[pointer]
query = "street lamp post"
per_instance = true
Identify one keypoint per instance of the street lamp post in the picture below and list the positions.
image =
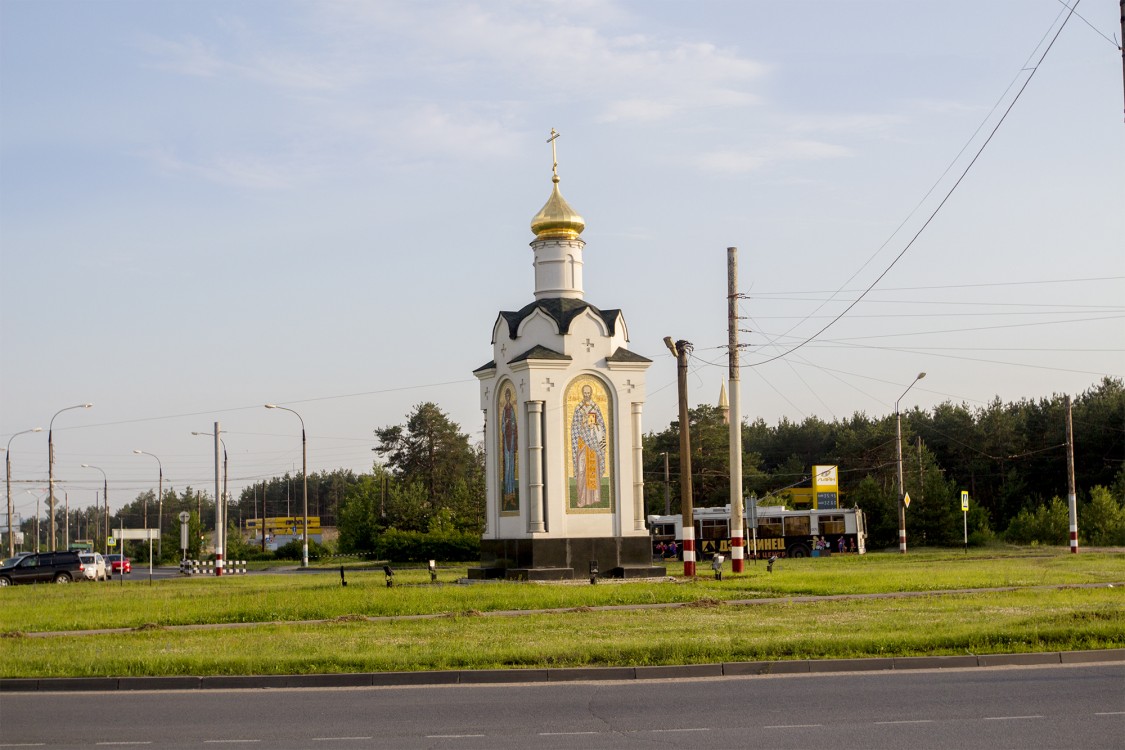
(105, 498)
(51, 465)
(901, 484)
(8, 478)
(305, 477)
(159, 502)
(220, 499)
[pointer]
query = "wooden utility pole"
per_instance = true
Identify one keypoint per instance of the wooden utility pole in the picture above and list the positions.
(680, 351)
(1071, 494)
(736, 525)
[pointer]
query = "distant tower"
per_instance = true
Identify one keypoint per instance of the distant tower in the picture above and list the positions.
(562, 399)
(724, 405)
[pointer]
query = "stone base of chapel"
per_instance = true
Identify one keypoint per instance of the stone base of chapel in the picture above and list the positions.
(565, 559)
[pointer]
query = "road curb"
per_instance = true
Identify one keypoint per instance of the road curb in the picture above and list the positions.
(568, 674)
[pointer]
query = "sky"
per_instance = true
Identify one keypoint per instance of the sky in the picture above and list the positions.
(207, 206)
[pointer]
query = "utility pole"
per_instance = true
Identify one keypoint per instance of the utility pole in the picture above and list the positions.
(901, 483)
(1071, 494)
(736, 525)
(667, 488)
(218, 509)
(680, 351)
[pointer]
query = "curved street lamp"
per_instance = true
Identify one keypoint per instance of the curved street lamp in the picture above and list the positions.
(51, 464)
(159, 500)
(8, 477)
(105, 498)
(901, 485)
(305, 478)
(220, 504)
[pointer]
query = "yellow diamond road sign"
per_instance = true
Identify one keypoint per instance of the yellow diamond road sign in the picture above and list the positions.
(906, 499)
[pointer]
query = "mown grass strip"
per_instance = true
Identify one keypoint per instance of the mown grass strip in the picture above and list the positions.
(319, 596)
(978, 623)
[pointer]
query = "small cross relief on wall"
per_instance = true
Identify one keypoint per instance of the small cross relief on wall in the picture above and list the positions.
(629, 385)
(548, 384)
(588, 344)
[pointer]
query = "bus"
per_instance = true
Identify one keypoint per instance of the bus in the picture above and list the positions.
(781, 531)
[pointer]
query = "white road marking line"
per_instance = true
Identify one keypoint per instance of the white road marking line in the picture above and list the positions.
(220, 742)
(1099, 713)
(337, 739)
(24, 744)
(124, 742)
(692, 729)
(451, 736)
(794, 726)
(908, 721)
(1010, 718)
(562, 734)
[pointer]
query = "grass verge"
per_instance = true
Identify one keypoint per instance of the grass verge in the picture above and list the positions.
(975, 622)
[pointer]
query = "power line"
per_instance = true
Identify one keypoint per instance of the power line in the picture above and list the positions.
(943, 201)
(953, 286)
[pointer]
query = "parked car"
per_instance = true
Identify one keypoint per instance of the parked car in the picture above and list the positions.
(43, 567)
(94, 566)
(119, 564)
(13, 560)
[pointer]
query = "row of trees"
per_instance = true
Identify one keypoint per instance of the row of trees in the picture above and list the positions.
(1011, 458)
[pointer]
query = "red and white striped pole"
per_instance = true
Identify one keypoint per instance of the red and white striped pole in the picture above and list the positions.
(1071, 494)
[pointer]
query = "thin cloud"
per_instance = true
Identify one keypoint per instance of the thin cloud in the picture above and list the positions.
(735, 161)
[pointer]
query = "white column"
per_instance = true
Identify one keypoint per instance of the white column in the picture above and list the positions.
(638, 468)
(535, 466)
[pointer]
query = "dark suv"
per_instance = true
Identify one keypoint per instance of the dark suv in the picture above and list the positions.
(43, 567)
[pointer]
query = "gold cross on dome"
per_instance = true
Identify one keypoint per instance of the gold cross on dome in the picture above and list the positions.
(554, 154)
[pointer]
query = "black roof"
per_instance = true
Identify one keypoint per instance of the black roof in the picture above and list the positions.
(562, 310)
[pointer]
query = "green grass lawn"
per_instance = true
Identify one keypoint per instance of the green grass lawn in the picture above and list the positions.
(1026, 619)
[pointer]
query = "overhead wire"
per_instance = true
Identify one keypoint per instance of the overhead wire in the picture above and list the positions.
(943, 201)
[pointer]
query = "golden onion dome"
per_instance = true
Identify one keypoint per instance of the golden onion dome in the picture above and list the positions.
(557, 219)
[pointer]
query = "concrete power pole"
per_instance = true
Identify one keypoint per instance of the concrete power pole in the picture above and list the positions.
(218, 508)
(1071, 494)
(736, 525)
(680, 350)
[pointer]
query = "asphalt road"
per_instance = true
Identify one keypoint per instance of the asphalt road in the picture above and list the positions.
(1016, 707)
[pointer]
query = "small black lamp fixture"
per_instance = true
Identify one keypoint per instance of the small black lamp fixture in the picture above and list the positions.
(770, 562)
(433, 571)
(593, 571)
(390, 575)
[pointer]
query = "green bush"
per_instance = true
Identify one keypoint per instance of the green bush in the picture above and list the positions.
(416, 546)
(292, 550)
(1101, 522)
(1047, 524)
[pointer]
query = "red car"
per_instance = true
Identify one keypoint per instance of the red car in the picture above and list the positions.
(119, 563)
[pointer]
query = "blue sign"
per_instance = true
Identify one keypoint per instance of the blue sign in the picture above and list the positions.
(826, 501)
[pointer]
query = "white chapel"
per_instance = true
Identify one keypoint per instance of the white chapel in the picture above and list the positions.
(563, 399)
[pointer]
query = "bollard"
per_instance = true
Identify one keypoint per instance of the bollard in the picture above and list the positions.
(433, 571)
(342, 581)
(770, 562)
